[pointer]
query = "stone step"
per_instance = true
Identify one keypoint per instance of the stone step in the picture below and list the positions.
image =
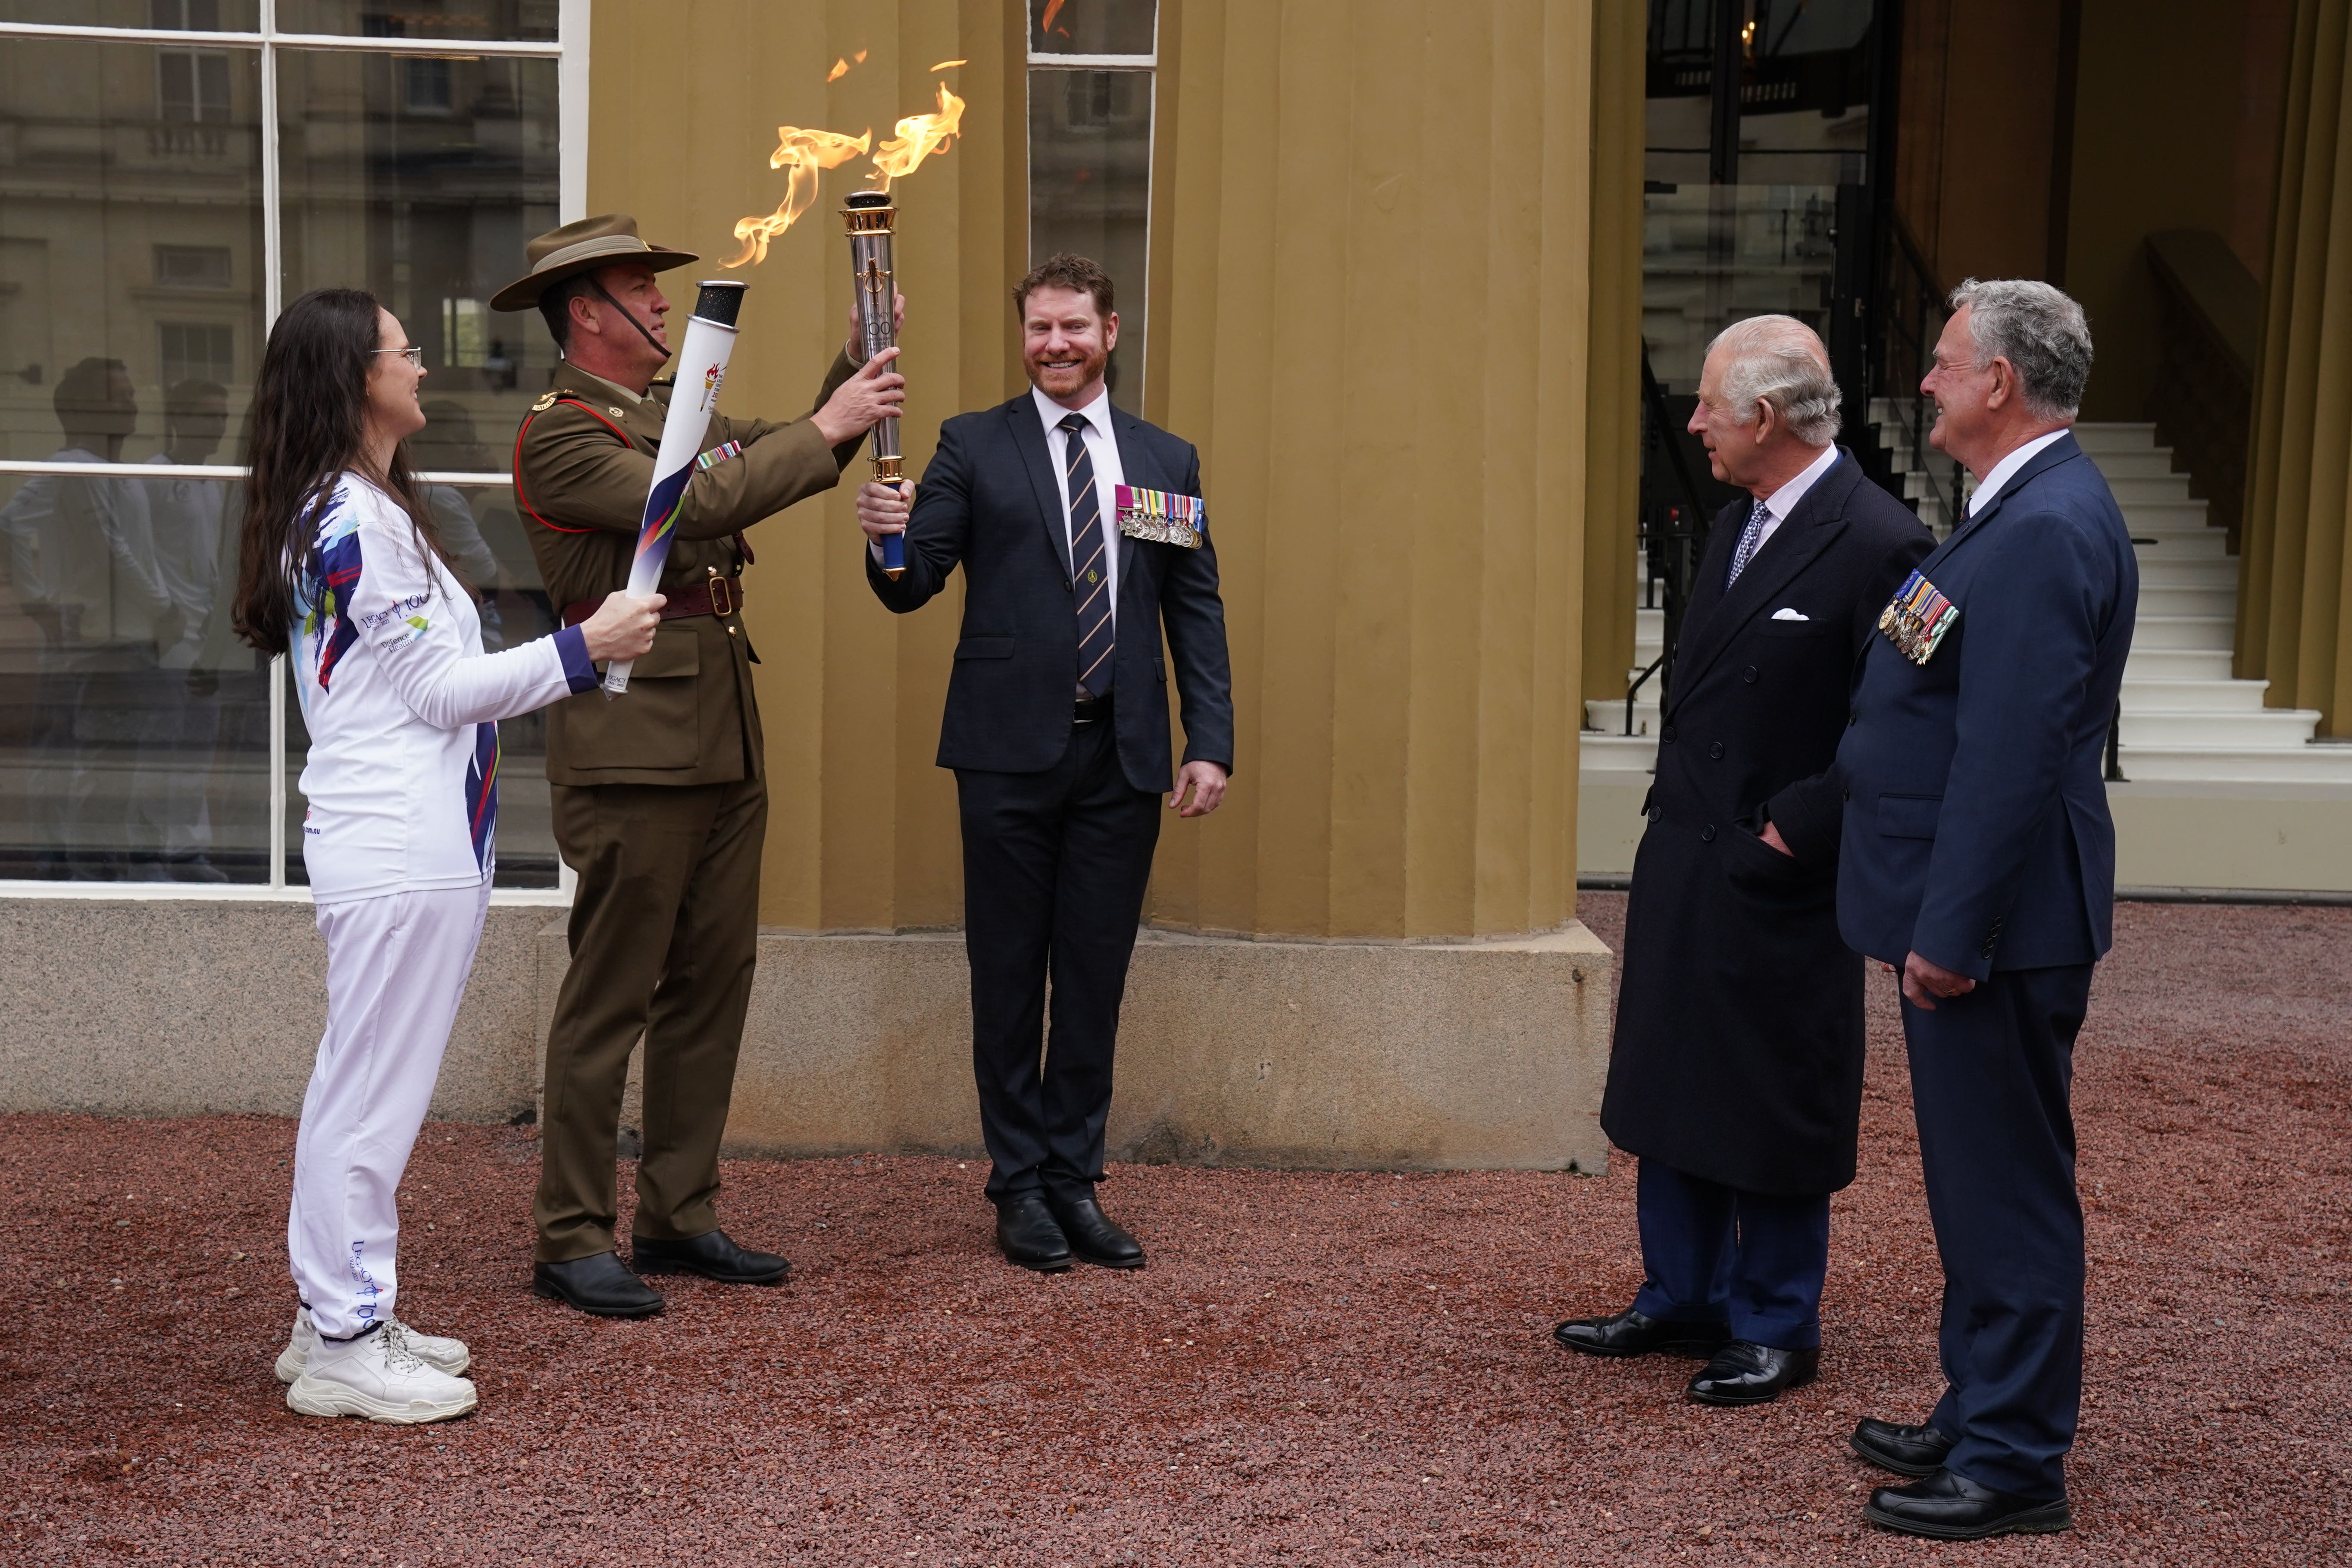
(2322, 763)
(2136, 467)
(2181, 545)
(2148, 663)
(2159, 570)
(2116, 436)
(1608, 754)
(2159, 696)
(2164, 516)
(2130, 491)
(2169, 600)
(2258, 729)
(2185, 631)
(1607, 714)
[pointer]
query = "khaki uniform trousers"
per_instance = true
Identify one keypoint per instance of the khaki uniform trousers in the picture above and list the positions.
(664, 936)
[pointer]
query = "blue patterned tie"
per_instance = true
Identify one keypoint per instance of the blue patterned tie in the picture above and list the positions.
(1757, 516)
(1090, 572)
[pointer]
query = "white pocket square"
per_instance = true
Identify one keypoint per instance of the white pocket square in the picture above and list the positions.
(1788, 615)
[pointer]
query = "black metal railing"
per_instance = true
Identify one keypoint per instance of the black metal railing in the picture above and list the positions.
(1671, 535)
(1911, 313)
(2202, 399)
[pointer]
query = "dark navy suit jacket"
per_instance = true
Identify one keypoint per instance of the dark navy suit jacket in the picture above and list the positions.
(1976, 831)
(989, 501)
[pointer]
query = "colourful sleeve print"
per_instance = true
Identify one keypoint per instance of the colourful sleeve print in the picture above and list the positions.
(482, 792)
(329, 621)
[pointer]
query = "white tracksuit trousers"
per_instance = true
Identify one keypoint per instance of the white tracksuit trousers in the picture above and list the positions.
(396, 968)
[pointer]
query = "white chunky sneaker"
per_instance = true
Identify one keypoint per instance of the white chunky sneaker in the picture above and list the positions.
(450, 1355)
(379, 1376)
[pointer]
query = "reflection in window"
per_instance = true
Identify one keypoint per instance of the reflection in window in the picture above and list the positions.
(192, 86)
(191, 267)
(197, 351)
(1091, 26)
(1090, 190)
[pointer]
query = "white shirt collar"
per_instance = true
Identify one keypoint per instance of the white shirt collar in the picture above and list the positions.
(1098, 412)
(1783, 501)
(2006, 470)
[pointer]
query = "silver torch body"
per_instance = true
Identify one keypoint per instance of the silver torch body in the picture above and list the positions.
(869, 217)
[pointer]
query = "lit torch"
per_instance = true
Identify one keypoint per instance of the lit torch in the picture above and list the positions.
(870, 216)
(702, 366)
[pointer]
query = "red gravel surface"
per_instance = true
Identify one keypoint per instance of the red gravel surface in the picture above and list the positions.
(1316, 1368)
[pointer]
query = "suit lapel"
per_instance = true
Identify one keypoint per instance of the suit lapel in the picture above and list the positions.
(1029, 436)
(1818, 519)
(2049, 458)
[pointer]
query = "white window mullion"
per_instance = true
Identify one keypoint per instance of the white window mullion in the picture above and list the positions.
(571, 111)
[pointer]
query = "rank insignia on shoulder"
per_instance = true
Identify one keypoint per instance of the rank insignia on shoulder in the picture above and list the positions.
(616, 414)
(1917, 618)
(1162, 517)
(546, 401)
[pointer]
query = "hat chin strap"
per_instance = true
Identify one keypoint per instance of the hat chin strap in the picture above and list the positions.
(651, 341)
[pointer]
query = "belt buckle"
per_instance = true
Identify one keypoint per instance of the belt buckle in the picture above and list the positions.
(723, 596)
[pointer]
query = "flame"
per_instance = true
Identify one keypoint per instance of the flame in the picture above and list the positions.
(804, 152)
(944, 64)
(860, 57)
(1045, 23)
(840, 68)
(920, 136)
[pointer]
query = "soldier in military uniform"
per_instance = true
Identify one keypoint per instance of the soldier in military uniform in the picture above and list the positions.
(660, 798)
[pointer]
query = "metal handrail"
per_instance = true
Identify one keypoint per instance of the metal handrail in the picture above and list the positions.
(1674, 568)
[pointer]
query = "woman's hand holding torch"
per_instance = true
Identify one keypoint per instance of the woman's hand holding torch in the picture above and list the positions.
(623, 626)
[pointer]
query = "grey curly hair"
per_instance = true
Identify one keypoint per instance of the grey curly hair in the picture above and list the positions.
(2039, 330)
(1779, 360)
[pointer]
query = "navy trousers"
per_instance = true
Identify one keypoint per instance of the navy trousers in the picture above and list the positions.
(1990, 1077)
(1054, 868)
(1714, 1252)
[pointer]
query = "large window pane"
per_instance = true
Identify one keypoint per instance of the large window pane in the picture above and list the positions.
(179, 16)
(525, 21)
(1091, 26)
(420, 179)
(134, 727)
(1091, 192)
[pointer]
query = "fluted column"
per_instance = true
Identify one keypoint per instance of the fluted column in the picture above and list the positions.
(2294, 583)
(1371, 282)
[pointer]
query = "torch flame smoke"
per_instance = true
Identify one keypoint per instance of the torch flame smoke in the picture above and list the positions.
(804, 152)
(920, 136)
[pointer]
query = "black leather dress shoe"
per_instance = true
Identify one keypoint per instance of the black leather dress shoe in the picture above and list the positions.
(1744, 1373)
(1637, 1333)
(1906, 1450)
(1950, 1507)
(1094, 1235)
(1027, 1234)
(713, 1254)
(601, 1286)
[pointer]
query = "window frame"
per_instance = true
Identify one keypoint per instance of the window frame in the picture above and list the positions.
(570, 53)
(1146, 65)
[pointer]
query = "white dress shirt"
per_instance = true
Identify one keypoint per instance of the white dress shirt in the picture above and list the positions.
(2006, 470)
(1103, 447)
(1783, 501)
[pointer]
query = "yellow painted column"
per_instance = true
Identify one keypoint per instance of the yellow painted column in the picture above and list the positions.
(1613, 418)
(1373, 308)
(2294, 583)
(1374, 258)
(686, 100)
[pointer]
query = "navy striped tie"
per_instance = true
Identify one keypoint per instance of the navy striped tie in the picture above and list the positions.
(1090, 572)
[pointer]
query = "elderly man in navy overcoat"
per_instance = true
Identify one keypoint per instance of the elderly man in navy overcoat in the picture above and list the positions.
(1736, 1072)
(1979, 858)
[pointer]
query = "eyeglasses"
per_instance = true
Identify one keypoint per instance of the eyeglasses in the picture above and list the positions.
(414, 353)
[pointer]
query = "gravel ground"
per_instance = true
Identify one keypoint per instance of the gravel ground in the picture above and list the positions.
(1316, 1368)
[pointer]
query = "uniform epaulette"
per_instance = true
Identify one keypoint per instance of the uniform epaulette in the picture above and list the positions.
(551, 400)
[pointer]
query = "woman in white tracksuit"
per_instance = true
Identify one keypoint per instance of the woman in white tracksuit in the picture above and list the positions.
(341, 568)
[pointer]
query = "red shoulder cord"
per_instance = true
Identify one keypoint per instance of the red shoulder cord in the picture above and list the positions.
(518, 459)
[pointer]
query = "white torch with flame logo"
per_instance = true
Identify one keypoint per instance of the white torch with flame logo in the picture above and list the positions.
(709, 343)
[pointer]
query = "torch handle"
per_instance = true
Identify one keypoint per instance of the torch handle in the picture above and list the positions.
(873, 277)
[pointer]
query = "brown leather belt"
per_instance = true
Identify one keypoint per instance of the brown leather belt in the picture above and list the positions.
(712, 596)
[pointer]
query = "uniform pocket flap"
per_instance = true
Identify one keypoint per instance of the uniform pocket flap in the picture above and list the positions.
(676, 651)
(1910, 816)
(986, 646)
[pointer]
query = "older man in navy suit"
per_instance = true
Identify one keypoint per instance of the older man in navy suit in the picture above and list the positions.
(1979, 858)
(1056, 727)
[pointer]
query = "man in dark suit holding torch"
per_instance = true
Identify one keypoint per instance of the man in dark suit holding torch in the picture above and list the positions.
(1082, 537)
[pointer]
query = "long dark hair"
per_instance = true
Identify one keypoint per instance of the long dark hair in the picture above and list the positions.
(308, 429)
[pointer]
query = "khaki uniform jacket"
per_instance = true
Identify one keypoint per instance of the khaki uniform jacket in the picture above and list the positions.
(583, 463)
